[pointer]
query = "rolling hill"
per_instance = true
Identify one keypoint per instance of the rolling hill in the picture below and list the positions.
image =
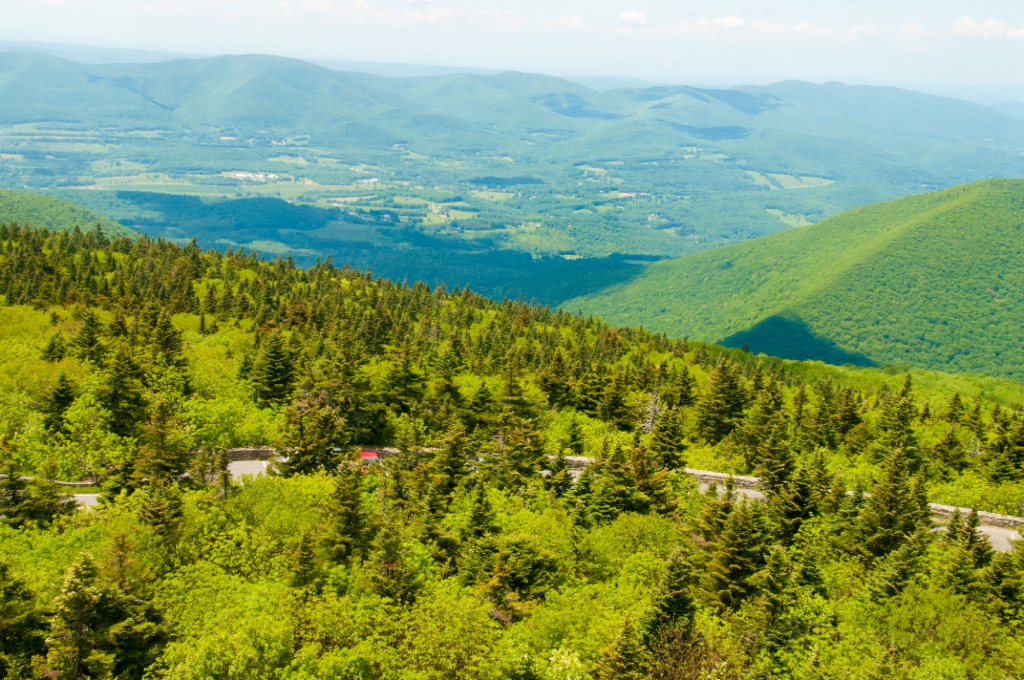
(642, 170)
(52, 213)
(935, 280)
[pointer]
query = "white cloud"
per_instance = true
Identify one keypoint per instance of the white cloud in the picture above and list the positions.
(633, 18)
(988, 29)
(729, 22)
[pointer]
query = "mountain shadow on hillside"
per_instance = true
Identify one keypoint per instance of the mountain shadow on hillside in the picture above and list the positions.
(791, 338)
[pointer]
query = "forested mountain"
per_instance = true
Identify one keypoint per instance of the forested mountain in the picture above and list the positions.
(461, 165)
(473, 552)
(932, 280)
(52, 213)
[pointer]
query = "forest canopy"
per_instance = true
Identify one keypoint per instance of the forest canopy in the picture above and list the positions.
(534, 521)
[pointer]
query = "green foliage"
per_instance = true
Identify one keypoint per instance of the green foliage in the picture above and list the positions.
(478, 549)
(825, 292)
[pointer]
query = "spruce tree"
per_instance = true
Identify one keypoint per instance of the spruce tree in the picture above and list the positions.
(73, 634)
(87, 344)
(615, 491)
(668, 445)
(625, 658)
(612, 407)
(273, 372)
(738, 555)
(774, 456)
(345, 518)
(574, 443)
(14, 498)
(955, 410)
(449, 464)
(674, 606)
(896, 427)
(949, 454)
(894, 511)
(898, 569)
(121, 393)
(56, 348)
(316, 436)
(721, 406)
(57, 403)
(554, 380)
(481, 514)
(20, 626)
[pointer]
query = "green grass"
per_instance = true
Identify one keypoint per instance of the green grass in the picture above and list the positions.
(933, 281)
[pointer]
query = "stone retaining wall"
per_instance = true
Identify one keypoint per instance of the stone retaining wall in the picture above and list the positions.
(746, 482)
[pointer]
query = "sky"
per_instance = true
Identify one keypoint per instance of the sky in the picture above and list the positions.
(957, 42)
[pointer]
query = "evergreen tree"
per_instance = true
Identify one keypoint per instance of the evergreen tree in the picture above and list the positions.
(716, 509)
(390, 575)
(949, 454)
(675, 606)
(302, 562)
(895, 509)
(449, 464)
(721, 406)
(73, 634)
(615, 491)
(955, 410)
(573, 445)
(848, 414)
(825, 431)
(47, 499)
(346, 520)
(14, 498)
(775, 457)
(121, 393)
(763, 417)
(897, 569)
(273, 372)
(554, 380)
(652, 485)
(481, 515)
(166, 343)
(625, 658)
(896, 427)
(316, 437)
(87, 344)
(20, 626)
(738, 555)
(56, 348)
(612, 408)
(57, 403)
(668, 445)
(963, 532)
(582, 497)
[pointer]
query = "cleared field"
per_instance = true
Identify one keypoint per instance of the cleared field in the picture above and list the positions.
(791, 220)
(791, 182)
(761, 180)
(289, 160)
(493, 195)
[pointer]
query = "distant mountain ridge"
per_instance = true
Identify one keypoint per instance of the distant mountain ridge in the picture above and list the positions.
(935, 280)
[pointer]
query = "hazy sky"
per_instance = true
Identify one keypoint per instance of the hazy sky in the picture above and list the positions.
(977, 42)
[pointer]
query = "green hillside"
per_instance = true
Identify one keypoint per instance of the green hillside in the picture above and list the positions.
(933, 281)
(510, 161)
(52, 213)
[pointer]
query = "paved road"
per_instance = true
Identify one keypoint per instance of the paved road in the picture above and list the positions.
(253, 468)
(1001, 538)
